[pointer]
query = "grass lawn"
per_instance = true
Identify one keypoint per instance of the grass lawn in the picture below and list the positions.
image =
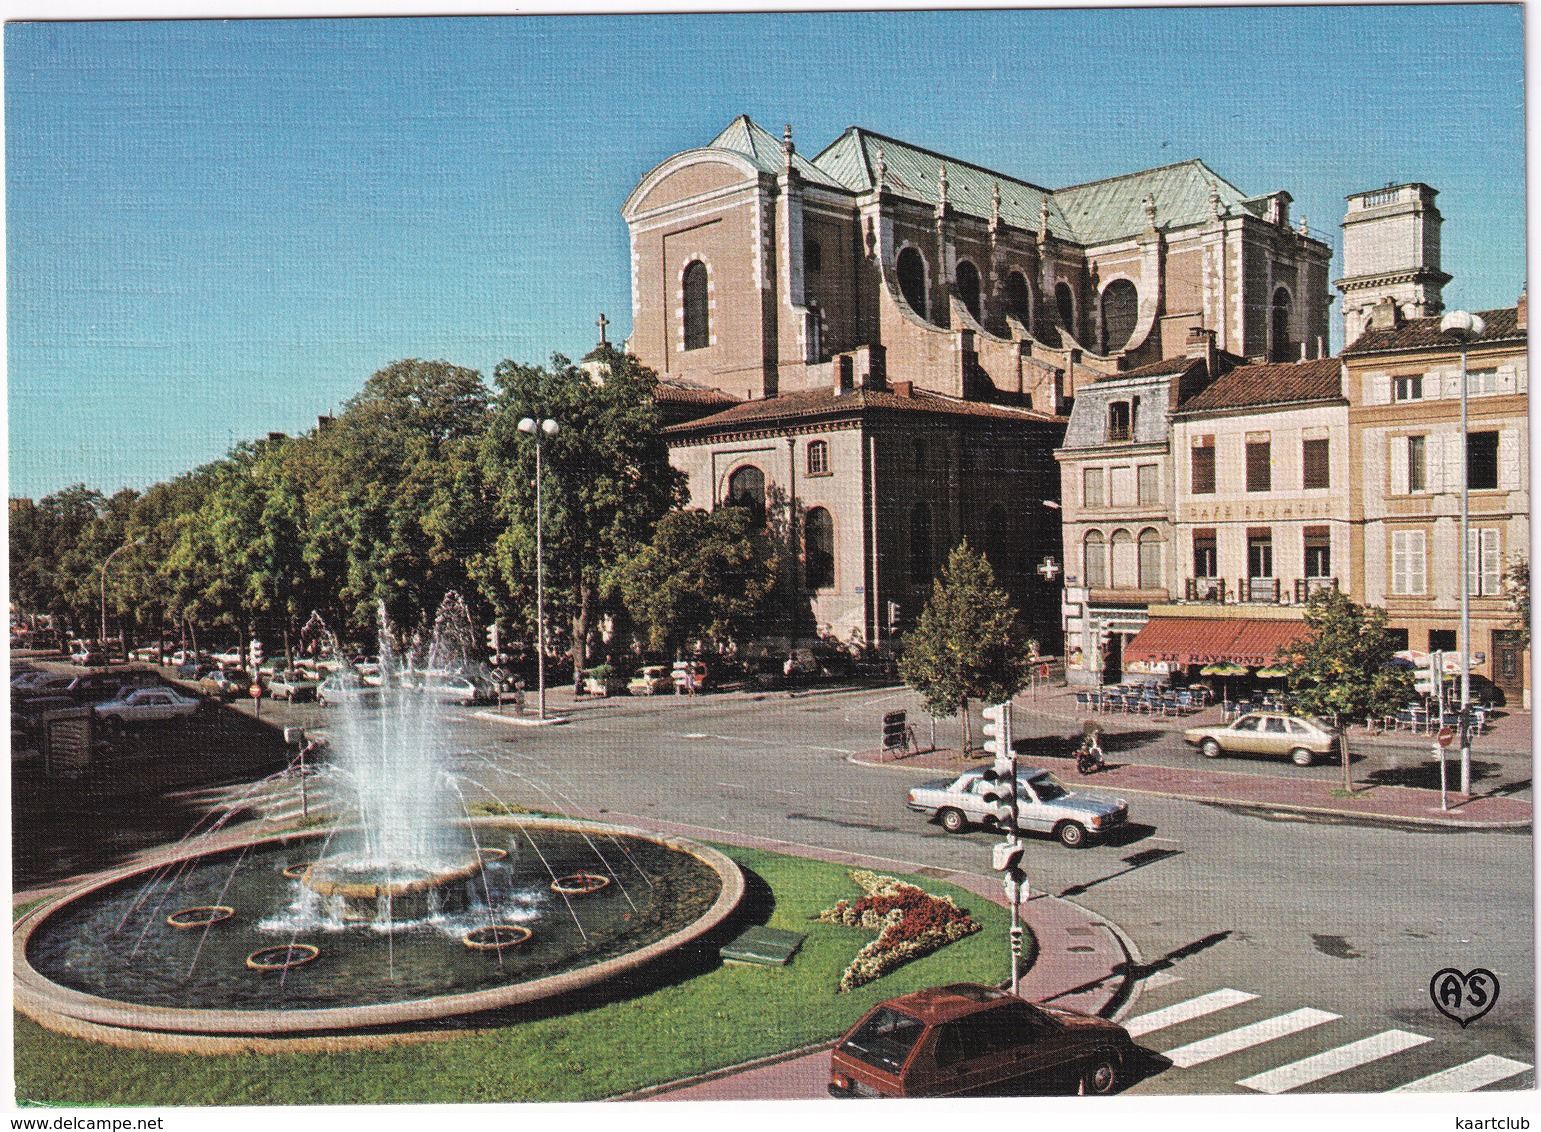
(698, 1016)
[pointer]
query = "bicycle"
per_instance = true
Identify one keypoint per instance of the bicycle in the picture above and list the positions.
(1088, 758)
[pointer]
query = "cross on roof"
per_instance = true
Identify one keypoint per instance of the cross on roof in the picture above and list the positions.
(1049, 569)
(602, 323)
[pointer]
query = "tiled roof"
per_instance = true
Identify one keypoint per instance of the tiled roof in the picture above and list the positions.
(1421, 333)
(1166, 367)
(1280, 383)
(763, 150)
(826, 402)
(678, 389)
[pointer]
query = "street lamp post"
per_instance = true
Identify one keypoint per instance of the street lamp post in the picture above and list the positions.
(110, 557)
(1464, 326)
(539, 430)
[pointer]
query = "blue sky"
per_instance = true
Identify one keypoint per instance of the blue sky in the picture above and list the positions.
(220, 228)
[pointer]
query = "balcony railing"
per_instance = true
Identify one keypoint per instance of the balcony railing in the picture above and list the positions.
(1206, 589)
(1259, 591)
(1305, 587)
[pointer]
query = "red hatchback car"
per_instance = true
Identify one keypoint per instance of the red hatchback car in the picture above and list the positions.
(965, 1039)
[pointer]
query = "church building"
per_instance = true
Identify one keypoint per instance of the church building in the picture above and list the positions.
(900, 336)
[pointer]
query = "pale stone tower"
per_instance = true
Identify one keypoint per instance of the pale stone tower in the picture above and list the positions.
(1390, 258)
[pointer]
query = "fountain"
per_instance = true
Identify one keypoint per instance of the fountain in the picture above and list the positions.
(401, 909)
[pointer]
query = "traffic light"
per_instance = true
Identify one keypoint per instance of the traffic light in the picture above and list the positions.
(893, 614)
(1000, 793)
(997, 729)
(1007, 859)
(254, 652)
(492, 638)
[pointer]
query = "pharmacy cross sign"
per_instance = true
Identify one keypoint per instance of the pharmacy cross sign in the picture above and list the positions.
(1049, 569)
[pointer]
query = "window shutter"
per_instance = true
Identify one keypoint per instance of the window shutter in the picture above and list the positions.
(1398, 465)
(1439, 462)
(1416, 558)
(1382, 389)
(1510, 468)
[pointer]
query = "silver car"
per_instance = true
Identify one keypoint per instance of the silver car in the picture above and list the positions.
(1044, 805)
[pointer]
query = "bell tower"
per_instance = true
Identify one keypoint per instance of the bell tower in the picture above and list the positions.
(1391, 251)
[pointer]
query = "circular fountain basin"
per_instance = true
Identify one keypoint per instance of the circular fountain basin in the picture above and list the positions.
(101, 962)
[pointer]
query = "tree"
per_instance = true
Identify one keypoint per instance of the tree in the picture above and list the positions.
(397, 512)
(606, 481)
(1342, 666)
(968, 644)
(704, 575)
(1517, 590)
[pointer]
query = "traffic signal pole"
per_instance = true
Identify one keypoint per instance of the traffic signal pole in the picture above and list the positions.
(1002, 795)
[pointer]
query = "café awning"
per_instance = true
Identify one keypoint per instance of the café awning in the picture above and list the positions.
(1205, 640)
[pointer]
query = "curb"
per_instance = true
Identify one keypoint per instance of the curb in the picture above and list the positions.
(1359, 816)
(1328, 811)
(649, 1091)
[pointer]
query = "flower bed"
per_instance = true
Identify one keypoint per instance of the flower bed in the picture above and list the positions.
(910, 923)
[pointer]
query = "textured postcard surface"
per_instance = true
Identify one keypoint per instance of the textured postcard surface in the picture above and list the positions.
(771, 556)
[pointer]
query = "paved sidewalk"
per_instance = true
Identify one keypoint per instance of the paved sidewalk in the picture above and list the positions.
(1084, 963)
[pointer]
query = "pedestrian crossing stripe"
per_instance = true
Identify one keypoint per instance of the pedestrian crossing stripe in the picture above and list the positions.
(1485, 1070)
(1344, 1057)
(1183, 1011)
(1233, 1041)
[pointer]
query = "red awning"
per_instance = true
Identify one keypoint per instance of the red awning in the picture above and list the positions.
(1205, 640)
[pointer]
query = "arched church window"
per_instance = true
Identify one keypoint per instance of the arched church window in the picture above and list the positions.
(1281, 327)
(819, 549)
(746, 488)
(968, 287)
(911, 270)
(1018, 304)
(920, 545)
(997, 542)
(697, 329)
(1066, 304)
(1120, 311)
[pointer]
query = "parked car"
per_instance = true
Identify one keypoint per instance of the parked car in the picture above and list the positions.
(292, 686)
(97, 687)
(43, 684)
(224, 684)
(346, 687)
(230, 658)
(458, 689)
(965, 1039)
(148, 705)
(689, 676)
(653, 678)
(1044, 805)
(1266, 733)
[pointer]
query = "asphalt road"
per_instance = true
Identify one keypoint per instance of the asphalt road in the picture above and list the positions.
(1329, 930)
(1336, 925)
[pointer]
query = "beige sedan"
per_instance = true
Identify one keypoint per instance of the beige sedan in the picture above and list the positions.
(1266, 733)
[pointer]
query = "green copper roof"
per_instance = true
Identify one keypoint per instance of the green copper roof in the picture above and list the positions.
(1099, 211)
(763, 149)
(915, 173)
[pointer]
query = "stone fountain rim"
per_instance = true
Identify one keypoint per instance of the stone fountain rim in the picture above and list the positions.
(58, 1007)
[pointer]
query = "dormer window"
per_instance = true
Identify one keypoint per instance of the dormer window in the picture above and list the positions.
(1120, 421)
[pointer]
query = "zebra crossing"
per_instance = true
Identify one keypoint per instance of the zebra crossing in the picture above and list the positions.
(1237, 1032)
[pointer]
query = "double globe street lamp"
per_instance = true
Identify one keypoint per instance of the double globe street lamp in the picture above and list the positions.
(110, 557)
(1464, 327)
(539, 430)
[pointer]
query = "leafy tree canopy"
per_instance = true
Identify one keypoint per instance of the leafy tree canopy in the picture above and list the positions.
(704, 576)
(969, 643)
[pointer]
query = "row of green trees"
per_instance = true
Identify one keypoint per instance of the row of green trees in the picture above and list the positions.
(420, 486)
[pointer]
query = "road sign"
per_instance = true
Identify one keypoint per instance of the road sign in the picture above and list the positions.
(1446, 736)
(255, 691)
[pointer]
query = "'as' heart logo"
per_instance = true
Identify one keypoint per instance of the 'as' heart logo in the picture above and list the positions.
(1464, 998)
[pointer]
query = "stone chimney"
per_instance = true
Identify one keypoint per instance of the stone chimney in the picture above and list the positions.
(1384, 315)
(841, 371)
(1521, 322)
(904, 388)
(1201, 346)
